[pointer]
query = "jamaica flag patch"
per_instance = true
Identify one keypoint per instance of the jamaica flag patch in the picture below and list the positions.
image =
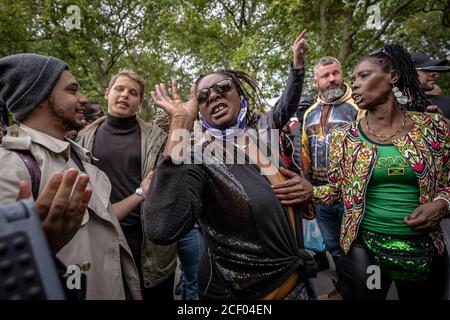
(396, 171)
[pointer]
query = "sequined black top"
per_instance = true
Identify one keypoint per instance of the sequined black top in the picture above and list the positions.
(247, 230)
(251, 248)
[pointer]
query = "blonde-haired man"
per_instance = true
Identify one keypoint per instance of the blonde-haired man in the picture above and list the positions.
(126, 149)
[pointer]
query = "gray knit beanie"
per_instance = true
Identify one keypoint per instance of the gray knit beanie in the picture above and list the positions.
(25, 80)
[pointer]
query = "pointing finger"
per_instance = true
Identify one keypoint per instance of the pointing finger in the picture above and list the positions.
(301, 36)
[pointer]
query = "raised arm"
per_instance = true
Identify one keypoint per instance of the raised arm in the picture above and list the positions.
(173, 202)
(287, 104)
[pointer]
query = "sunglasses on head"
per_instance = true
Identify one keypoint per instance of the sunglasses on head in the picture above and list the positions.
(220, 87)
(379, 51)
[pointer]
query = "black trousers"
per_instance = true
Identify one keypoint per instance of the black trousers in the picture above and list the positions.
(162, 291)
(354, 276)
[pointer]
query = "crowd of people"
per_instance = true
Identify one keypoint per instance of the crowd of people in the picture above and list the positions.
(207, 186)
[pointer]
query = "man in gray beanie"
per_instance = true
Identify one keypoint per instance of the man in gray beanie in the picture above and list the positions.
(45, 99)
(26, 80)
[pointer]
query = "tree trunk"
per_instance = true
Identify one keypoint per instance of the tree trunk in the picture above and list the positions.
(347, 37)
(324, 26)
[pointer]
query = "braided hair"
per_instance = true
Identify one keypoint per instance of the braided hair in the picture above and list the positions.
(246, 86)
(396, 57)
(162, 120)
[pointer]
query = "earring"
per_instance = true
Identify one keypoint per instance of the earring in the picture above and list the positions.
(401, 99)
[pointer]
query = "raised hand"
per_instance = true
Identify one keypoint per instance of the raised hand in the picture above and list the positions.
(299, 50)
(174, 106)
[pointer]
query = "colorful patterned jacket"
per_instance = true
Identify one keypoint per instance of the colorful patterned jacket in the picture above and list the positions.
(427, 148)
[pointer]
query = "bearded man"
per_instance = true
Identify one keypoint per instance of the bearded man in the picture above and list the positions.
(334, 107)
(46, 101)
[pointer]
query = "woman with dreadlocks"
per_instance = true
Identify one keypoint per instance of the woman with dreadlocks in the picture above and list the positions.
(391, 169)
(254, 245)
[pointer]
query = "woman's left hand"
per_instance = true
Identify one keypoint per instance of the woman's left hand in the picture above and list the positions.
(427, 216)
(293, 191)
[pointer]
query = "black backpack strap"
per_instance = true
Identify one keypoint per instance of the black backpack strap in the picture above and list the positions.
(33, 170)
(77, 160)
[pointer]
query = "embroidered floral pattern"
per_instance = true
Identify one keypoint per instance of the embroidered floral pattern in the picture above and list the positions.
(427, 148)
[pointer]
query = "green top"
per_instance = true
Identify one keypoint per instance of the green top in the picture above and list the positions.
(392, 193)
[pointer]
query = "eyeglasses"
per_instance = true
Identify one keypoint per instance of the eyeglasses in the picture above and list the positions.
(220, 87)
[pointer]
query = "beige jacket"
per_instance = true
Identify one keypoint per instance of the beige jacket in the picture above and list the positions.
(99, 241)
(158, 262)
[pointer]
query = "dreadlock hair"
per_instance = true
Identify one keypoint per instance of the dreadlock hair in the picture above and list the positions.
(162, 120)
(246, 86)
(396, 57)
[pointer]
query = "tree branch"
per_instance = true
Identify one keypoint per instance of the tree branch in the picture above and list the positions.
(380, 32)
(433, 44)
(242, 21)
(347, 40)
(230, 13)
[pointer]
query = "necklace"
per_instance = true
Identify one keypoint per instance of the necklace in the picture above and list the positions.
(384, 138)
(244, 146)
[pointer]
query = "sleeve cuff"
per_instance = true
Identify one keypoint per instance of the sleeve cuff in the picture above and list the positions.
(448, 204)
(165, 160)
(297, 70)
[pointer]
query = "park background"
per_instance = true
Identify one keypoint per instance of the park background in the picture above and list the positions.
(165, 39)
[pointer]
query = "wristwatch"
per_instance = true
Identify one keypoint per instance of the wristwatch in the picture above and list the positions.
(140, 192)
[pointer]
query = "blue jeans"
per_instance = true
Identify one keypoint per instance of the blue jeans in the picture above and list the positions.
(329, 219)
(190, 248)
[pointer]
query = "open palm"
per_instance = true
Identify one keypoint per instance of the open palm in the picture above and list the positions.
(174, 106)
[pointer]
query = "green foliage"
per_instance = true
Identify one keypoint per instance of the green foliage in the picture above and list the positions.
(165, 39)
